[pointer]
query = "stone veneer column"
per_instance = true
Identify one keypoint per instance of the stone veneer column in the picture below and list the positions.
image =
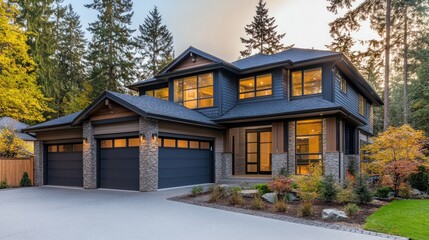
(148, 156)
(291, 150)
(38, 163)
(331, 160)
(218, 166)
(89, 157)
(278, 162)
(226, 165)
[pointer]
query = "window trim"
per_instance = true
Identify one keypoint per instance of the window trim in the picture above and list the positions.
(364, 106)
(302, 82)
(153, 93)
(303, 154)
(182, 101)
(255, 90)
(343, 83)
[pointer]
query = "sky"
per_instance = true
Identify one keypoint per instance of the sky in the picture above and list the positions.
(215, 26)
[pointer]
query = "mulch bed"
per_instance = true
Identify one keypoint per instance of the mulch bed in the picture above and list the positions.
(355, 221)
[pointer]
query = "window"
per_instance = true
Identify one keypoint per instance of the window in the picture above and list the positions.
(308, 144)
(204, 145)
(258, 86)
(169, 142)
(78, 147)
(306, 82)
(106, 144)
(182, 143)
(133, 142)
(362, 105)
(195, 91)
(65, 148)
(343, 85)
(120, 143)
(194, 144)
(158, 93)
(53, 148)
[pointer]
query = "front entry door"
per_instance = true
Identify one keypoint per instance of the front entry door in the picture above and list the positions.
(258, 151)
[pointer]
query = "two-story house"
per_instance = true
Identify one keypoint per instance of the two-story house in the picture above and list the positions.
(202, 119)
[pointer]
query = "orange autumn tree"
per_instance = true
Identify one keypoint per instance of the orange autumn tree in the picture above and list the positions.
(396, 153)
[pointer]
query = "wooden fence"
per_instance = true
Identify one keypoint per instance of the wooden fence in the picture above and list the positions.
(12, 170)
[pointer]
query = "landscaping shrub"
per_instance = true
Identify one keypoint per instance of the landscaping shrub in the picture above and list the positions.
(351, 209)
(383, 192)
(262, 187)
(280, 206)
(307, 200)
(25, 180)
(236, 198)
(281, 185)
(346, 195)
(257, 202)
(11, 146)
(196, 190)
(405, 191)
(216, 193)
(4, 184)
(362, 191)
(398, 172)
(420, 180)
(328, 189)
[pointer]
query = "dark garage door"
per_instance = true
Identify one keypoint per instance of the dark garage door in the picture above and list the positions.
(64, 165)
(119, 164)
(184, 162)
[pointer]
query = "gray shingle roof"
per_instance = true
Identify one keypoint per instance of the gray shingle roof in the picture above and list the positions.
(161, 108)
(293, 54)
(18, 126)
(276, 107)
(55, 122)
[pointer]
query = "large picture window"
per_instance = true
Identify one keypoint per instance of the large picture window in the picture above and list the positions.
(195, 91)
(306, 82)
(308, 144)
(158, 93)
(258, 86)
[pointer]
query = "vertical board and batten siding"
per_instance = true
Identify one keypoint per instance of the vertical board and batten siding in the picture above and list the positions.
(327, 79)
(350, 101)
(194, 131)
(12, 170)
(331, 134)
(228, 91)
(278, 139)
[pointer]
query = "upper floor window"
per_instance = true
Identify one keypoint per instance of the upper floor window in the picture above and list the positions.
(195, 91)
(258, 86)
(362, 105)
(306, 82)
(158, 93)
(343, 85)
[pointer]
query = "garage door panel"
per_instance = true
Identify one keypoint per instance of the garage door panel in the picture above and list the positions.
(64, 168)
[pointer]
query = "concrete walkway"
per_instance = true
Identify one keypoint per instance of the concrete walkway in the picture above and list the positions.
(58, 213)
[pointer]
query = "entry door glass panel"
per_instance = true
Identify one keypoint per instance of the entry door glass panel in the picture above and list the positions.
(258, 152)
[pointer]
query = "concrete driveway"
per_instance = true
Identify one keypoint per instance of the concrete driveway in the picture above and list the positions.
(58, 213)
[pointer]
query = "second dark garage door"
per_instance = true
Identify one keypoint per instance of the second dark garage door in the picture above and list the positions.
(119, 163)
(184, 162)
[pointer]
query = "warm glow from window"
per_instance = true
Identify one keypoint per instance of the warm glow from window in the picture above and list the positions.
(194, 91)
(256, 86)
(161, 93)
(308, 144)
(306, 82)
(362, 105)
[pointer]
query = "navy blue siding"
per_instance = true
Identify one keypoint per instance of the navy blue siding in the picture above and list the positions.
(350, 101)
(229, 92)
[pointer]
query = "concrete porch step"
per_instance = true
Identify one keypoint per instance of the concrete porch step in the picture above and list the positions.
(239, 180)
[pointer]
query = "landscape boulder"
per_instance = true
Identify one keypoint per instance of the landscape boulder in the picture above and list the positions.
(333, 214)
(249, 193)
(270, 197)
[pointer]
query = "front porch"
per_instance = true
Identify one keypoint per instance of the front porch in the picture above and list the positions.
(259, 152)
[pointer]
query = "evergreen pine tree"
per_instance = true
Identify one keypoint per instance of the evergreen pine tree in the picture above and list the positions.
(110, 58)
(263, 36)
(69, 57)
(155, 45)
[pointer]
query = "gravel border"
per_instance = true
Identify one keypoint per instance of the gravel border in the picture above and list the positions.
(286, 218)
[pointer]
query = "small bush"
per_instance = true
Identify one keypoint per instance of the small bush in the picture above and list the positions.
(216, 193)
(405, 191)
(236, 198)
(262, 188)
(25, 180)
(351, 209)
(306, 209)
(281, 185)
(196, 190)
(420, 180)
(4, 184)
(383, 192)
(328, 189)
(280, 206)
(362, 191)
(346, 195)
(257, 202)
(307, 199)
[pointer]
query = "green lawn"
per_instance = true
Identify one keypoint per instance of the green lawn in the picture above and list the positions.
(407, 218)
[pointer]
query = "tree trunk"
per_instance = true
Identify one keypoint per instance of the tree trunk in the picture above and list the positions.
(405, 66)
(386, 67)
